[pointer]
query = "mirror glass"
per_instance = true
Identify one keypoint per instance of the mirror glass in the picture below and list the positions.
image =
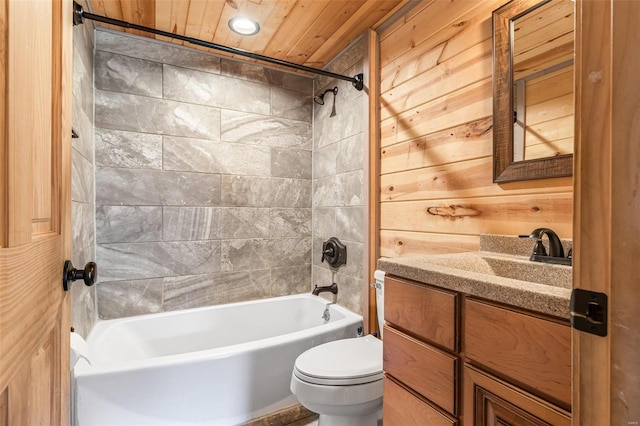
(533, 90)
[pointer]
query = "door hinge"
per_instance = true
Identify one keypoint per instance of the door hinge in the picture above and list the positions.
(588, 311)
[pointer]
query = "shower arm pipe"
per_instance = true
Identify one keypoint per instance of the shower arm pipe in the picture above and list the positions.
(79, 15)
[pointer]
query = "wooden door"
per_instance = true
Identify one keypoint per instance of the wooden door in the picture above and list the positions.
(606, 385)
(35, 169)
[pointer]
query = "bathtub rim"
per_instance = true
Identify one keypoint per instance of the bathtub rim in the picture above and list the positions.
(84, 369)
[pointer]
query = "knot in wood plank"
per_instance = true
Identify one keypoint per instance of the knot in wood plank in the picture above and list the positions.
(452, 211)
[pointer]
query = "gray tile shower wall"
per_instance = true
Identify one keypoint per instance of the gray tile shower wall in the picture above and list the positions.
(203, 178)
(83, 305)
(339, 150)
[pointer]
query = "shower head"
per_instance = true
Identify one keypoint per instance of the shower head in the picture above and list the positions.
(319, 99)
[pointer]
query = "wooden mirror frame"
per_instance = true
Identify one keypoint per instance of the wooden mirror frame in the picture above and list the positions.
(504, 168)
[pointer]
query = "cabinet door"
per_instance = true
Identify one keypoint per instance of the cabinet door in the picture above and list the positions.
(531, 351)
(489, 401)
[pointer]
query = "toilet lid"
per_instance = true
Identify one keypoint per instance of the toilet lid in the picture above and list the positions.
(342, 362)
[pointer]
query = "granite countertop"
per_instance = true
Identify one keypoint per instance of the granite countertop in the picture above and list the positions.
(493, 275)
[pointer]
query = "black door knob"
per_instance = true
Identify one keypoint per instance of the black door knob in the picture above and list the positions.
(69, 274)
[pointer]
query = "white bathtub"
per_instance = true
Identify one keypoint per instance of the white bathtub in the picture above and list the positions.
(219, 365)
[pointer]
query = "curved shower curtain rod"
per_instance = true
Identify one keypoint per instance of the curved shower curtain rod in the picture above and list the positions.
(79, 15)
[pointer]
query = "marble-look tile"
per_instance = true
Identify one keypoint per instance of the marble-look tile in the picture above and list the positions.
(351, 153)
(243, 255)
(261, 74)
(250, 71)
(83, 298)
(246, 285)
(293, 163)
(291, 104)
(321, 276)
(325, 161)
(82, 184)
(345, 189)
(157, 259)
(350, 223)
(244, 223)
(127, 298)
(290, 223)
(349, 288)
(265, 130)
(82, 83)
(150, 115)
(83, 126)
(82, 226)
(349, 94)
(324, 222)
(125, 74)
(191, 223)
(249, 191)
(355, 257)
(351, 58)
(83, 309)
(151, 187)
(82, 255)
(349, 121)
(297, 82)
(131, 150)
(350, 293)
(200, 155)
(128, 224)
(192, 291)
(156, 50)
(291, 280)
(83, 45)
(185, 85)
(213, 289)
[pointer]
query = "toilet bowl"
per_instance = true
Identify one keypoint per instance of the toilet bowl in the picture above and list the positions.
(342, 380)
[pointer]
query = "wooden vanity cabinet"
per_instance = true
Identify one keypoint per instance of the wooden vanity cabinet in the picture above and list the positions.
(459, 360)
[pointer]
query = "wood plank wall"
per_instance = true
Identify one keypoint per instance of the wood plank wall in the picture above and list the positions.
(437, 194)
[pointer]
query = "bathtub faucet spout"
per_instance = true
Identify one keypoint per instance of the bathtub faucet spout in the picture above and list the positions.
(333, 288)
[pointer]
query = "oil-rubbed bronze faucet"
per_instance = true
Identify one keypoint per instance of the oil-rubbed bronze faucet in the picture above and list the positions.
(556, 252)
(333, 288)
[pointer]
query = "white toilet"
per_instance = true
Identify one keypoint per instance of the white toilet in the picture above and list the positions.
(342, 380)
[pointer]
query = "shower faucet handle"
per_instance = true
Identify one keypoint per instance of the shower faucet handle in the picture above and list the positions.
(334, 252)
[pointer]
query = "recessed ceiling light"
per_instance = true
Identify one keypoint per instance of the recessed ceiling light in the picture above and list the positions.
(244, 26)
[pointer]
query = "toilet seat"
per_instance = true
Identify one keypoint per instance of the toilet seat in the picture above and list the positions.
(342, 362)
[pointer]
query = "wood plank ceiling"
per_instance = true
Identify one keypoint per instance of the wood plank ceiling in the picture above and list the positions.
(308, 32)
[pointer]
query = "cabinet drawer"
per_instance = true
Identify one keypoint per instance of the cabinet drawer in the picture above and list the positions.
(425, 369)
(421, 310)
(401, 407)
(533, 351)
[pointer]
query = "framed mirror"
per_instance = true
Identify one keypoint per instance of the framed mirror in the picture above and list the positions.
(533, 90)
